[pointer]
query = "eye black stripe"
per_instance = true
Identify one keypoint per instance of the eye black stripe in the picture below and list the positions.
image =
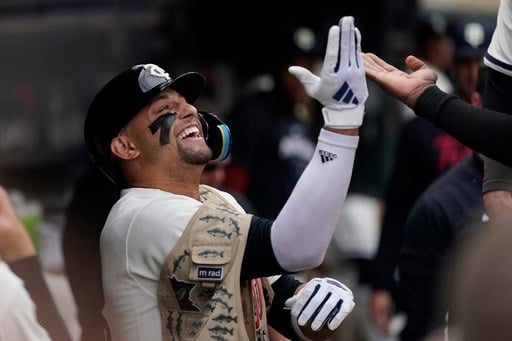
(163, 123)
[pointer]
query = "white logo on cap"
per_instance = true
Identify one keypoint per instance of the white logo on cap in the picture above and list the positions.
(150, 76)
(474, 34)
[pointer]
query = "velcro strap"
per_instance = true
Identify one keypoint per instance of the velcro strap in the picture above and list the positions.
(343, 118)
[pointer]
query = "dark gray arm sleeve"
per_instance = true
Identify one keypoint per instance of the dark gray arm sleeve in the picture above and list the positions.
(485, 131)
(498, 97)
(29, 270)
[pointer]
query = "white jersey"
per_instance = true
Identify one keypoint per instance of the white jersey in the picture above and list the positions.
(499, 52)
(139, 233)
(18, 319)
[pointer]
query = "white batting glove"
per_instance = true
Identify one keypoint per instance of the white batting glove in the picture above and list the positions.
(325, 300)
(341, 87)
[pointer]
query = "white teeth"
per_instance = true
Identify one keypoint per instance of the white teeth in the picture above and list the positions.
(188, 131)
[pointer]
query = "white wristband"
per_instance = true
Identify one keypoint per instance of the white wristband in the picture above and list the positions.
(343, 118)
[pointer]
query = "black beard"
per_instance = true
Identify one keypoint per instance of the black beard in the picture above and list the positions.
(200, 157)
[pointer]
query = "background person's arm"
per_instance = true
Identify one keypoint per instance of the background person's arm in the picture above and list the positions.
(18, 251)
(485, 131)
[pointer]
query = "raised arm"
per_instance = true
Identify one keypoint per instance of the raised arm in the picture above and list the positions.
(303, 229)
(18, 251)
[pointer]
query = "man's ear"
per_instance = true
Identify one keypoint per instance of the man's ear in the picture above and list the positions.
(123, 148)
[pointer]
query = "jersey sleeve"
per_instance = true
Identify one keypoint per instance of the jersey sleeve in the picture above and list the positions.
(259, 258)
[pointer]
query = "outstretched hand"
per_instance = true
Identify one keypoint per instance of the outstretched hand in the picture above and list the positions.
(406, 87)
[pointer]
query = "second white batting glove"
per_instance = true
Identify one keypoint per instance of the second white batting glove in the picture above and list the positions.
(341, 87)
(325, 301)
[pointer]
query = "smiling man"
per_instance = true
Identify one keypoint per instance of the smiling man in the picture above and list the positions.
(181, 260)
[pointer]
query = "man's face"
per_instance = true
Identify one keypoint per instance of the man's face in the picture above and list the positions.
(167, 132)
(466, 72)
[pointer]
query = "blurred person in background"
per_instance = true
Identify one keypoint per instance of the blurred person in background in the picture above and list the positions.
(92, 198)
(481, 255)
(435, 45)
(497, 187)
(439, 220)
(481, 268)
(214, 174)
(273, 128)
(28, 311)
(422, 150)
(486, 131)
(440, 215)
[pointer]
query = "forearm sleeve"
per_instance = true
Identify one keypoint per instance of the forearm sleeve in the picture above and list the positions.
(485, 131)
(29, 270)
(303, 229)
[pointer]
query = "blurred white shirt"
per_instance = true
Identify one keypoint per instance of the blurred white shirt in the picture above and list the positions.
(18, 319)
(499, 52)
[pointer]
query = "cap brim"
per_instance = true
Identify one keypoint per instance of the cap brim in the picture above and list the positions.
(464, 53)
(190, 85)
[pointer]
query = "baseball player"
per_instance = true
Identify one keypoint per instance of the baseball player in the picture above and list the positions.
(183, 261)
(27, 309)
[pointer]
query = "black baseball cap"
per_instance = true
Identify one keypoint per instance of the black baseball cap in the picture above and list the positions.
(122, 98)
(471, 39)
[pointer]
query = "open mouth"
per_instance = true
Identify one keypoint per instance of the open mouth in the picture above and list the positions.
(189, 132)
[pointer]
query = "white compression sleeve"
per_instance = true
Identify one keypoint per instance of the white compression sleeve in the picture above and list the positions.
(303, 229)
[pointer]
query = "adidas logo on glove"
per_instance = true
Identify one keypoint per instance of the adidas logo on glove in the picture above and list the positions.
(346, 95)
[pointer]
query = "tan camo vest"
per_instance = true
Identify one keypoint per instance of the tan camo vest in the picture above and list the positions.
(200, 294)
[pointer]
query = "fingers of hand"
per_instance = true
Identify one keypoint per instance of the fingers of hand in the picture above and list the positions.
(347, 40)
(358, 48)
(309, 80)
(414, 63)
(302, 74)
(304, 297)
(291, 301)
(313, 305)
(329, 301)
(332, 50)
(327, 313)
